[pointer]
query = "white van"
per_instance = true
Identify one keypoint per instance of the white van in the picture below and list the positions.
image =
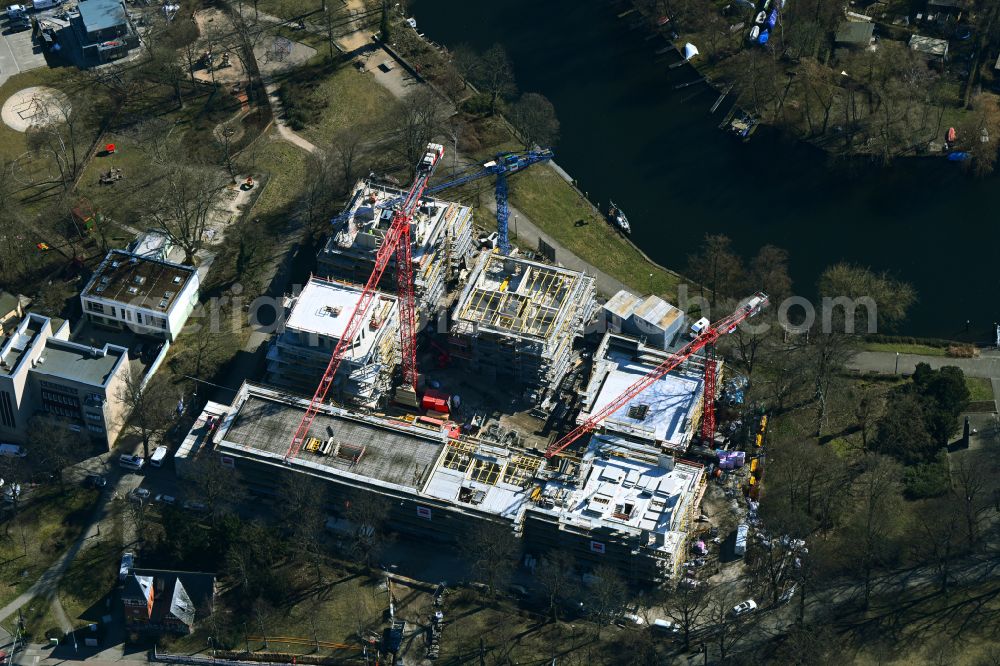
(133, 463)
(12, 451)
(39, 5)
(156, 460)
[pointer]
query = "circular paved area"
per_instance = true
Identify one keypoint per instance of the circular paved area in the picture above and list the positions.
(38, 105)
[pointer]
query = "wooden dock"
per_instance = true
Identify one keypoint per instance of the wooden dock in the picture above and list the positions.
(718, 102)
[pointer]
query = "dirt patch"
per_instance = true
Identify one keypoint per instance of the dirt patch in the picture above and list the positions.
(36, 106)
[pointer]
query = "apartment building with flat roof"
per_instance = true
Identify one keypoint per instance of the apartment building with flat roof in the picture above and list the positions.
(43, 373)
(149, 296)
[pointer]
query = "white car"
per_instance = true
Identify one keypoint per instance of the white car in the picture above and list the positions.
(743, 608)
(631, 619)
(141, 494)
(666, 625)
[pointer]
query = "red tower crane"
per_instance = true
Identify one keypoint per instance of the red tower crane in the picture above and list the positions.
(395, 242)
(705, 338)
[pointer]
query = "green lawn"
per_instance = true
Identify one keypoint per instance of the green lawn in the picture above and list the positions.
(91, 577)
(557, 208)
(980, 388)
(904, 348)
(355, 101)
(47, 523)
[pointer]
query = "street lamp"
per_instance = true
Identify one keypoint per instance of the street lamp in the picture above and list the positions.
(515, 225)
(650, 283)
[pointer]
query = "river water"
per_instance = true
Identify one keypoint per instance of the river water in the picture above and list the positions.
(629, 135)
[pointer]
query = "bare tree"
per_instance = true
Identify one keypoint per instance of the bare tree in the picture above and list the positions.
(419, 118)
(555, 575)
(535, 119)
(685, 607)
(52, 445)
(492, 552)
(368, 514)
(971, 489)
(148, 412)
(874, 525)
(495, 75)
(215, 484)
(183, 200)
(608, 595)
(303, 500)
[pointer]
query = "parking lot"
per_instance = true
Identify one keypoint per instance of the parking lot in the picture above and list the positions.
(18, 53)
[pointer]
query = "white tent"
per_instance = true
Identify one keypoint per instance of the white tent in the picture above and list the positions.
(690, 51)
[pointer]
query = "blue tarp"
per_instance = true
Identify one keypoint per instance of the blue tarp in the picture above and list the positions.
(763, 37)
(958, 157)
(772, 19)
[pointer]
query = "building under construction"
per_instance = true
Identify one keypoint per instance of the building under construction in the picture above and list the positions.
(439, 483)
(441, 233)
(517, 319)
(314, 322)
(664, 416)
(624, 507)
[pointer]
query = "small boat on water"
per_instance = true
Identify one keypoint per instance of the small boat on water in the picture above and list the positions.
(617, 217)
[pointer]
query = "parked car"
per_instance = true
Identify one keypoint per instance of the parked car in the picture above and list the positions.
(128, 560)
(95, 481)
(787, 595)
(15, 11)
(744, 608)
(630, 619)
(666, 626)
(165, 499)
(133, 463)
(141, 493)
(194, 505)
(19, 24)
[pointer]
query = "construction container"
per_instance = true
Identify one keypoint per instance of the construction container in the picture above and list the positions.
(435, 401)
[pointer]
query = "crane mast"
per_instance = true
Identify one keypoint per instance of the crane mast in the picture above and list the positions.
(707, 337)
(396, 242)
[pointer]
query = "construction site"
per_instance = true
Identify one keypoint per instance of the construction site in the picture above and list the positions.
(575, 441)
(516, 321)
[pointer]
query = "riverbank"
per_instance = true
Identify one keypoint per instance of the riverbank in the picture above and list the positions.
(809, 86)
(546, 193)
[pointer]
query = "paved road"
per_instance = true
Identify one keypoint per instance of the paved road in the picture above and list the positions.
(987, 365)
(528, 234)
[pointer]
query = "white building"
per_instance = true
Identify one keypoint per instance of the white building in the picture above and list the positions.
(149, 296)
(42, 372)
(314, 323)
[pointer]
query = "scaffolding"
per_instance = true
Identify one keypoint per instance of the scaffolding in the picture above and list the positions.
(518, 318)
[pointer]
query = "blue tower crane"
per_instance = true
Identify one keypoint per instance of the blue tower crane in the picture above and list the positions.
(500, 166)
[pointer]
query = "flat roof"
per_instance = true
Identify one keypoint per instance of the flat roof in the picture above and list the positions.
(518, 296)
(855, 32)
(80, 363)
(16, 347)
(628, 495)
(657, 312)
(101, 14)
(485, 478)
(369, 216)
(264, 421)
(929, 45)
(622, 304)
(143, 282)
(660, 412)
(324, 307)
